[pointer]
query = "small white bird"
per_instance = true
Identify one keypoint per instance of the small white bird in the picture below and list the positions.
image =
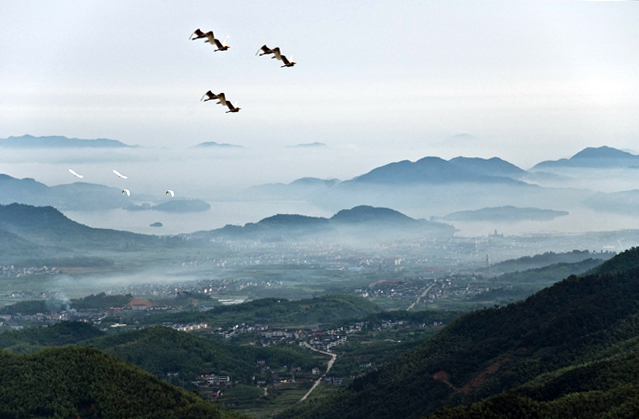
(170, 192)
(119, 174)
(221, 46)
(75, 174)
(126, 191)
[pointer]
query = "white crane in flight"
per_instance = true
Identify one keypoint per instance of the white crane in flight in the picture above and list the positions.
(126, 191)
(119, 174)
(75, 174)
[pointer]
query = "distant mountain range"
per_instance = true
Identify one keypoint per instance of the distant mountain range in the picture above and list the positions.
(29, 141)
(433, 170)
(74, 196)
(505, 214)
(46, 226)
(594, 158)
(357, 223)
(438, 186)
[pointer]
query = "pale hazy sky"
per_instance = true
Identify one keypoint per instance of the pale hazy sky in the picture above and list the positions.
(390, 80)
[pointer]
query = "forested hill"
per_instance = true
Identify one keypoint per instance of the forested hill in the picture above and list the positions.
(278, 312)
(580, 320)
(86, 383)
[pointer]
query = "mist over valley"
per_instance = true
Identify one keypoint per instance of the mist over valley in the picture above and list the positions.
(308, 210)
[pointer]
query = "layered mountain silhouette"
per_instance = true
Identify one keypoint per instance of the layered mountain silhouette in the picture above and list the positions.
(434, 170)
(594, 158)
(46, 226)
(73, 196)
(359, 222)
(29, 141)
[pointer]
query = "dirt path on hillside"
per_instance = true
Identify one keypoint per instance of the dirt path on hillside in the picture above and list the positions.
(328, 368)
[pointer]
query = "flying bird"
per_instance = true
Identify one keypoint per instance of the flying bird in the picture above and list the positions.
(232, 108)
(221, 46)
(265, 50)
(170, 192)
(119, 174)
(221, 100)
(199, 34)
(286, 62)
(75, 174)
(126, 191)
(278, 55)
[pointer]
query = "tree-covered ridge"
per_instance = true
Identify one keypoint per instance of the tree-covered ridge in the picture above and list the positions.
(34, 338)
(606, 389)
(622, 262)
(547, 259)
(161, 350)
(578, 320)
(76, 382)
(278, 312)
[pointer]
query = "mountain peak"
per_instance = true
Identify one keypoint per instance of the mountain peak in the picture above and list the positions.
(594, 157)
(366, 213)
(603, 152)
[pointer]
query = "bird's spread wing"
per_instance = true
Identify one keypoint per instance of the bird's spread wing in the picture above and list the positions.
(225, 40)
(210, 37)
(75, 174)
(285, 60)
(119, 174)
(265, 50)
(210, 95)
(277, 53)
(197, 32)
(169, 192)
(218, 44)
(222, 99)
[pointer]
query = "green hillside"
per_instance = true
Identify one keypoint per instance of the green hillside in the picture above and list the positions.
(76, 382)
(277, 312)
(161, 350)
(577, 321)
(35, 338)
